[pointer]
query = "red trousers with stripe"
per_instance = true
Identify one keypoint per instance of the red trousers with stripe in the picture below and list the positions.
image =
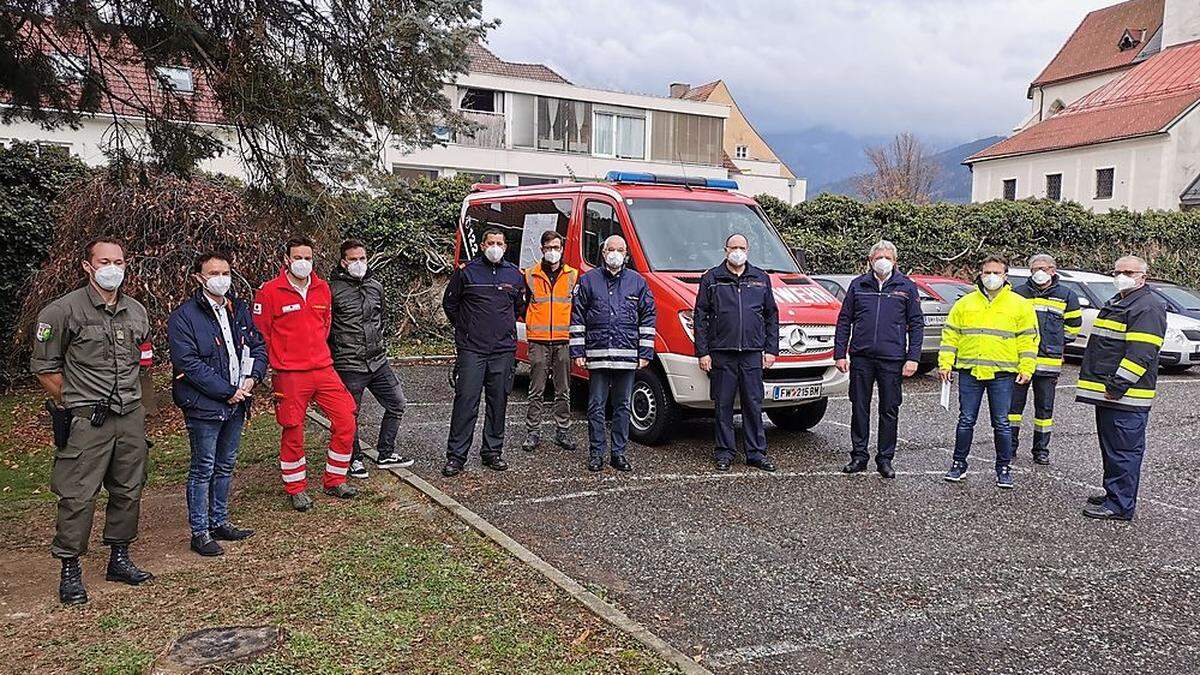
(294, 390)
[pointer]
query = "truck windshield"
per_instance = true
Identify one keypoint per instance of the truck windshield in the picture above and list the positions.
(680, 235)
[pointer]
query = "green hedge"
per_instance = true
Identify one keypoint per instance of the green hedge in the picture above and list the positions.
(837, 231)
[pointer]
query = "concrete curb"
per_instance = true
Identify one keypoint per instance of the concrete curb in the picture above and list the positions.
(593, 602)
(435, 359)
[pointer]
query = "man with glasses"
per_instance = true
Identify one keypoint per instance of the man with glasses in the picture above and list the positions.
(1118, 376)
(547, 320)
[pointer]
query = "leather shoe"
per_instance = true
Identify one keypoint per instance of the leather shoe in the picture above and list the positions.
(70, 584)
(1041, 457)
(531, 443)
(228, 532)
(452, 469)
(561, 440)
(121, 568)
(595, 464)
(342, 491)
(1101, 513)
(763, 464)
(620, 463)
(854, 466)
(496, 464)
(205, 546)
(1097, 500)
(885, 469)
(301, 501)
(722, 465)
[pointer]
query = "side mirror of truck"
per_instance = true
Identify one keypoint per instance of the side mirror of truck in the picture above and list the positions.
(801, 257)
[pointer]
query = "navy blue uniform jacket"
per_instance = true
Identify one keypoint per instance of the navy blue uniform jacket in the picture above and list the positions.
(200, 361)
(881, 323)
(736, 312)
(484, 302)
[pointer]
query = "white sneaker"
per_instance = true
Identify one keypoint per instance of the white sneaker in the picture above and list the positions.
(358, 469)
(395, 461)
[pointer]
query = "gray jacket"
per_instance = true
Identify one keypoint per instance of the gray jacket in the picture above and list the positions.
(356, 336)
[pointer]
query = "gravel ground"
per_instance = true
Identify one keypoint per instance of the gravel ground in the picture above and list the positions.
(807, 570)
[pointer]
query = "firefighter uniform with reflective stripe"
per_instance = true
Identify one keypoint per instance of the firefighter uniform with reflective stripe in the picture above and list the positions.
(547, 321)
(1119, 376)
(1059, 319)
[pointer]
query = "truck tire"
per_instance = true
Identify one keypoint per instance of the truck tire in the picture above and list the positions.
(798, 417)
(653, 412)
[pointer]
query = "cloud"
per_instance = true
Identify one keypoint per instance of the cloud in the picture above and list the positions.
(943, 68)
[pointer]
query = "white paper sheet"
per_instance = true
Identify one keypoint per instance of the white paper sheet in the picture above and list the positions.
(945, 400)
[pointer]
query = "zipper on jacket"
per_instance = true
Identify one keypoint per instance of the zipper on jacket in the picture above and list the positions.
(741, 328)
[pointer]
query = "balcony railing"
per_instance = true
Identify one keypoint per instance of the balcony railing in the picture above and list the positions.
(488, 134)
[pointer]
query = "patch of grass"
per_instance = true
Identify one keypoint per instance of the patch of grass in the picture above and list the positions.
(430, 347)
(115, 658)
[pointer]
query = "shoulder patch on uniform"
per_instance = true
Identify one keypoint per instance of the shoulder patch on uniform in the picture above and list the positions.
(258, 308)
(44, 332)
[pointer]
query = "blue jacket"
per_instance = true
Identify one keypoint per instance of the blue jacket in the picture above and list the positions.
(736, 312)
(484, 302)
(879, 323)
(200, 361)
(1059, 320)
(612, 319)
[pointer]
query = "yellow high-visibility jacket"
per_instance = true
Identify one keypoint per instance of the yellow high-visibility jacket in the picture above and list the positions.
(990, 336)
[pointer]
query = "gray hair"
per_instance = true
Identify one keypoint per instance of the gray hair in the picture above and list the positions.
(1041, 257)
(1133, 258)
(615, 237)
(882, 245)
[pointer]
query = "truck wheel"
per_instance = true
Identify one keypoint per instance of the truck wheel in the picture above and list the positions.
(652, 411)
(798, 417)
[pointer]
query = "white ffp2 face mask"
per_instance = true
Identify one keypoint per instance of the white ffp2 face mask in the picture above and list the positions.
(301, 268)
(1041, 277)
(614, 259)
(882, 266)
(218, 285)
(737, 257)
(494, 253)
(992, 282)
(109, 277)
(552, 256)
(1125, 282)
(357, 268)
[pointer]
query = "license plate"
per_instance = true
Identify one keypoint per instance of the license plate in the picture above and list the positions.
(935, 320)
(796, 392)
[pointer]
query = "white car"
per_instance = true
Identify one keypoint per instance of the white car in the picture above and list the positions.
(1181, 345)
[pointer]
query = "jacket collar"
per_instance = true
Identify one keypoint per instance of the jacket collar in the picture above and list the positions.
(342, 274)
(751, 272)
(1131, 296)
(314, 279)
(609, 274)
(1042, 291)
(537, 270)
(98, 302)
(895, 279)
(983, 290)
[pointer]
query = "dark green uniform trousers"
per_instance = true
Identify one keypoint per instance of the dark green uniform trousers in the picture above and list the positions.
(112, 455)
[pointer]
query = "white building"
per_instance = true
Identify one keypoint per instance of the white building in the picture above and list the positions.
(1114, 121)
(533, 127)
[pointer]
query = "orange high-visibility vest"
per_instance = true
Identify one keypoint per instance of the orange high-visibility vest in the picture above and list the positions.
(549, 312)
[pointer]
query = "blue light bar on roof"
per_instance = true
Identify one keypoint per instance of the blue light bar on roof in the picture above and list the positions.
(655, 179)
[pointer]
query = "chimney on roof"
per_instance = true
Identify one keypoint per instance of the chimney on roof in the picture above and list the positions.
(1181, 22)
(678, 89)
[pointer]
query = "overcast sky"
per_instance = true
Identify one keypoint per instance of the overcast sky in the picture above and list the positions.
(941, 68)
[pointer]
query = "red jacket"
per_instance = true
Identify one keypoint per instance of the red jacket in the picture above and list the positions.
(296, 329)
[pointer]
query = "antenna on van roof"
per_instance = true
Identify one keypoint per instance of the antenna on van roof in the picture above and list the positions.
(683, 170)
(571, 173)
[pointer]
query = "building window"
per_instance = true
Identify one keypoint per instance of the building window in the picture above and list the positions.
(691, 139)
(564, 126)
(1010, 189)
(1104, 183)
(741, 152)
(1054, 187)
(412, 174)
(599, 223)
(522, 222)
(474, 177)
(621, 136)
(482, 100)
(175, 78)
(535, 180)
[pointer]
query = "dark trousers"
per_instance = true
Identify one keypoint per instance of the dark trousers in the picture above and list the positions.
(210, 477)
(738, 374)
(112, 456)
(549, 362)
(487, 375)
(385, 387)
(609, 385)
(866, 374)
(1043, 410)
(970, 398)
(1122, 446)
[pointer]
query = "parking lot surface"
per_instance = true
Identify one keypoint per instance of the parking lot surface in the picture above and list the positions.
(808, 570)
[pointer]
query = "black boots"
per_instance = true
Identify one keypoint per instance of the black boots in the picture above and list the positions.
(121, 568)
(70, 586)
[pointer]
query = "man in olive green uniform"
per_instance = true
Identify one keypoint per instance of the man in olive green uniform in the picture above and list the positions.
(87, 349)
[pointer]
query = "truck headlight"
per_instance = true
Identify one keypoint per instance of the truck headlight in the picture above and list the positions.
(688, 321)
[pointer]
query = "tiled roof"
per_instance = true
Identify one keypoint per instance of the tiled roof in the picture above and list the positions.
(700, 93)
(1142, 101)
(483, 61)
(1093, 47)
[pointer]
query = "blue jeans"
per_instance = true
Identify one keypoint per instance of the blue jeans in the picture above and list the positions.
(970, 398)
(608, 385)
(214, 453)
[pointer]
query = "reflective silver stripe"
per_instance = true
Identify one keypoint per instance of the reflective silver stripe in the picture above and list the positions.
(612, 365)
(1048, 369)
(646, 330)
(576, 341)
(336, 470)
(985, 362)
(604, 353)
(577, 329)
(1127, 375)
(989, 331)
(1027, 355)
(1106, 332)
(1124, 400)
(289, 466)
(293, 477)
(338, 457)
(646, 343)
(547, 299)
(1053, 310)
(948, 349)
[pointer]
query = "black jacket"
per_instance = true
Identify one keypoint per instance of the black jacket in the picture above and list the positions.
(356, 334)
(881, 323)
(736, 312)
(1122, 352)
(484, 302)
